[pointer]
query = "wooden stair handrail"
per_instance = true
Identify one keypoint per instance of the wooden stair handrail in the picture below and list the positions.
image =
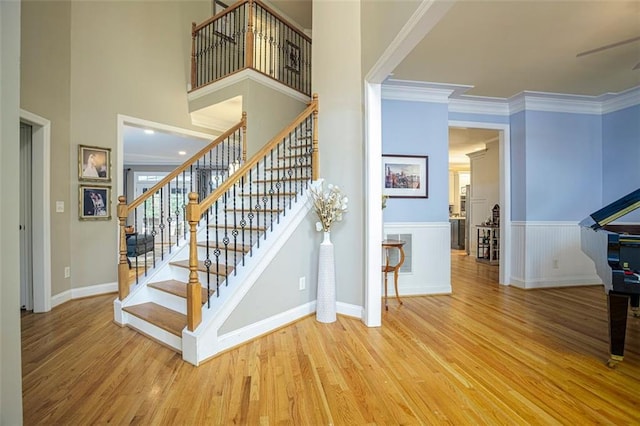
(242, 171)
(195, 210)
(148, 194)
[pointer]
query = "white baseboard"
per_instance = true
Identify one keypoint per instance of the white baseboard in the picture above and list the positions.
(79, 293)
(251, 331)
(349, 310)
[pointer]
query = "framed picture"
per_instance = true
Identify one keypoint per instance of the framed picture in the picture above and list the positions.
(405, 176)
(94, 163)
(225, 26)
(218, 6)
(94, 202)
(292, 57)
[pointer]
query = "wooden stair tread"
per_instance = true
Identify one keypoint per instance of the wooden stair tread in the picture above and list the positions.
(251, 210)
(263, 194)
(252, 228)
(224, 270)
(231, 246)
(282, 180)
(177, 288)
(164, 318)
(293, 166)
(302, 154)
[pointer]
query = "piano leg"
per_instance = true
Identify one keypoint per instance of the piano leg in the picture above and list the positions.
(635, 305)
(618, 307)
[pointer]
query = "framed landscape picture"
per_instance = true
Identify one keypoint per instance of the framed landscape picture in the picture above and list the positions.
(405, 176)
(94, 164)
(94, 202)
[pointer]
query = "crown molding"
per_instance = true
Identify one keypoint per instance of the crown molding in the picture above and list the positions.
(454, 96)
(613, 102)
(405, 90)
(479, 105)
(554, 102)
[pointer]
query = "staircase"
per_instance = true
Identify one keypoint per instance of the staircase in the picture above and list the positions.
(234, 229)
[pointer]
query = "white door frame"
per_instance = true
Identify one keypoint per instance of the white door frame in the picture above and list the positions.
(504, 160)
(41, 218)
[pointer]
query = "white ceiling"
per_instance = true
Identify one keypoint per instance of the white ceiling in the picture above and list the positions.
(160, 147)
(502, 48)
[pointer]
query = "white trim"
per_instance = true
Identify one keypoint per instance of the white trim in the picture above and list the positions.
(504, 159)
(247, 74)
(415, 94)
(420, 23)
(479, 105)
(527, 100)
(621, 100)
(41, 172)
(372, 310)
(252, 331)
(350, 310)
(81, 292)
(554, 102)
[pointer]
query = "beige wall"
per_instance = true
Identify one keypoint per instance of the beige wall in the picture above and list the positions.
(80, 72)
(337, 80)
(10, 364)
(45, 91)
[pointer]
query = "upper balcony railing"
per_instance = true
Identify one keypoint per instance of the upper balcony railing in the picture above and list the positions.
(249, 34)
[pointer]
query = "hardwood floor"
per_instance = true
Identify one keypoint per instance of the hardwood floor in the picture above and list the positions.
(484, 355)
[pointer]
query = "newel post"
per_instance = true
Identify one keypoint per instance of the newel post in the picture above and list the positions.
(315, 155)
(249, 40)
(123, 266)
(194, 290)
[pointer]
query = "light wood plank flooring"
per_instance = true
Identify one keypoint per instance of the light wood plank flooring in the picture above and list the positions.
(484, 355)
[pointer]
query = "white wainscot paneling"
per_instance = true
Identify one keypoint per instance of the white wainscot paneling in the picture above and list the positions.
(548, 254)
(430, 257)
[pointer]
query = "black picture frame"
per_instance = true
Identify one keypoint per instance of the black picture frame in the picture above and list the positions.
(292, 57)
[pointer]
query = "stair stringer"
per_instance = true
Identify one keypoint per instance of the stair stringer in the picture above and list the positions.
(205, 342)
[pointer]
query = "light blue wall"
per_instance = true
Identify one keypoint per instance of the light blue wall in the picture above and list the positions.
(563, 165)
(518, 167)
(419, 128)
(621, 156)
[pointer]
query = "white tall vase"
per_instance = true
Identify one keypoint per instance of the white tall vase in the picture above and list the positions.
(326, 303)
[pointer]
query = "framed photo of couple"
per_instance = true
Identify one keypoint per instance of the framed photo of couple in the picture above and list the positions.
(94, 202)
(94, 164)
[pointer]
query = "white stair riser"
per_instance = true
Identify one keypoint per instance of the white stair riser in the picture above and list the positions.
(168, 300)
(155, 332)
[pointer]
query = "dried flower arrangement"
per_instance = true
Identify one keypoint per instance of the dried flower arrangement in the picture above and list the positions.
(329, 204)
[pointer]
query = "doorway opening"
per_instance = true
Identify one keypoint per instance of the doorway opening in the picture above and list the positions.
(25, 227)
(37, 257)
(481, 207)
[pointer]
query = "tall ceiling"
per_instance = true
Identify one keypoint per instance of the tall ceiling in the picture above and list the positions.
(501, 48)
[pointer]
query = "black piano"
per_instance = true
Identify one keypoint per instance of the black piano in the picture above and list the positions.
(615, 250)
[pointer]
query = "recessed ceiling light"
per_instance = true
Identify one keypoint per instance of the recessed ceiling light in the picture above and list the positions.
(182, 152)
(149, 131)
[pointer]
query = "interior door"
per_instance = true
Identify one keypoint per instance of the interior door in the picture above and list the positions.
(26, 248)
